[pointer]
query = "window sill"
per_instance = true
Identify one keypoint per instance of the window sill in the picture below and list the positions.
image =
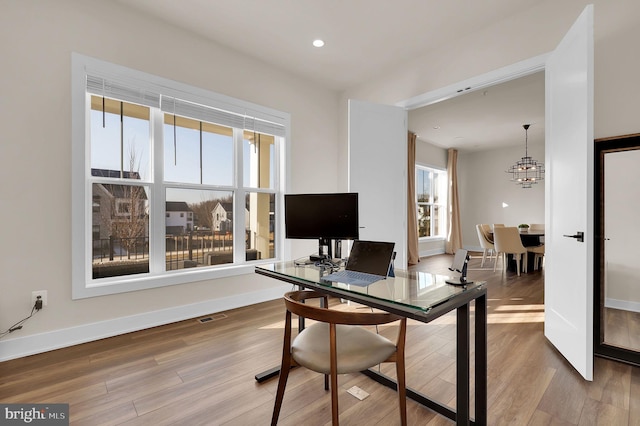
(129, 283)
(431, 239)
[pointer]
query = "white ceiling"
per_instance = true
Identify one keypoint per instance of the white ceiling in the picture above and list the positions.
(363, 39)
(485, 119)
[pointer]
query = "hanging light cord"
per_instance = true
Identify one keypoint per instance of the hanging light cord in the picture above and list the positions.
(526, 139)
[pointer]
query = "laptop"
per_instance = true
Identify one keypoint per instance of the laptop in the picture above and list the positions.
(368, 262)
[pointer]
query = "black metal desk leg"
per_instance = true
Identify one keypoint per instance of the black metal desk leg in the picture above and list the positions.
(481, 361)
(462, 366)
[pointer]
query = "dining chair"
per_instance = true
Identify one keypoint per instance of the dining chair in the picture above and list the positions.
(486, 244)
(498, 225)
(507, 241)
(538, 255)
(488, 231)
(338, 344)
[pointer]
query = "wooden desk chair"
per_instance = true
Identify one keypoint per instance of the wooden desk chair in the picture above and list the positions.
(507, 241)
(485, 243)
(337, 345)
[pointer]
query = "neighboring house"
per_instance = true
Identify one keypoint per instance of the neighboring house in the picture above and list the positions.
(223, 217)
(112, 204)
(179, 218)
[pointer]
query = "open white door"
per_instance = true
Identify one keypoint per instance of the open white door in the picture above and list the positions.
(378, 172)
(569, 196)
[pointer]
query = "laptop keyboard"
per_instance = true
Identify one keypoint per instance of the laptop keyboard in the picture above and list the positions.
(353, 277)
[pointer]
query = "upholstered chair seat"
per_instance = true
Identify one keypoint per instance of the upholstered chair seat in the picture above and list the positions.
(357, 348)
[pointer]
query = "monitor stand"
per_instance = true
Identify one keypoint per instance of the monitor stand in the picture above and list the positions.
(459, 281)
(324, 250)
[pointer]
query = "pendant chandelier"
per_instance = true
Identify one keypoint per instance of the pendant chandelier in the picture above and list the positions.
(526, 171)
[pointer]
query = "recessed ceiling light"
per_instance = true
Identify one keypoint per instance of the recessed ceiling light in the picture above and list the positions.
(318, 43)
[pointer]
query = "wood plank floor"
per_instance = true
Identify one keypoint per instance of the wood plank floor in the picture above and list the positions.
(189, 373)
(622, 328)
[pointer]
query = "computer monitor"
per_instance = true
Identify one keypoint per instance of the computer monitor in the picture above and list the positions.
(325, 217)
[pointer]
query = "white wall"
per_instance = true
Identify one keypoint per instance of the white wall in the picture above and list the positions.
(36, 41)
(530, 33)
(484, 186)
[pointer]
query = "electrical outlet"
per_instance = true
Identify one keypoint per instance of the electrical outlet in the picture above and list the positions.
(42, 294)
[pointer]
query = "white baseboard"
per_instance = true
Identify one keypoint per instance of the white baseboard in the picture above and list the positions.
(433, 252)
(44, 342)
(625, 305)
(471, 248)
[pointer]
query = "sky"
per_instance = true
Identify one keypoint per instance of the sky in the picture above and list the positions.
(182, 155)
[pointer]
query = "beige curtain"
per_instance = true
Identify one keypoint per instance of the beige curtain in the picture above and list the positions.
(454, 236)
(412, 220)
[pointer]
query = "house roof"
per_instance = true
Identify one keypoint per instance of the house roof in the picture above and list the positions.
(114, 174)
(228, 206)
(177, 206)
(124, 191)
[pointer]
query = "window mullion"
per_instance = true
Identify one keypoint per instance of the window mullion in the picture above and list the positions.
(157, 214)
(432, 200)
(239, 255)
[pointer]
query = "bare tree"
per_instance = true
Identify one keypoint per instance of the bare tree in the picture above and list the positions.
(130, 212)
(202, 212)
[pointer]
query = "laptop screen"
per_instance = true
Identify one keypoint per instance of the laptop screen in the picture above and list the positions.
(372, 257)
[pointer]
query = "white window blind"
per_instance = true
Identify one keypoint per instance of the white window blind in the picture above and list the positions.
(209, 114)
(263, 126)
(122, 91)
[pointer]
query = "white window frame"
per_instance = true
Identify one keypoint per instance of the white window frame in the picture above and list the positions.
(443, 204)
(83, 285)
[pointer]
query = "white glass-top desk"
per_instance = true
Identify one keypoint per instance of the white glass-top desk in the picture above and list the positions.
(423, 297)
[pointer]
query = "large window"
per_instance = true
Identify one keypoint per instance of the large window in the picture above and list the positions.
(431, 197)
(171, 183)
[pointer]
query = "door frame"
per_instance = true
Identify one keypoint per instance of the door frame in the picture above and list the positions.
(603, 146)
(479, 82)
